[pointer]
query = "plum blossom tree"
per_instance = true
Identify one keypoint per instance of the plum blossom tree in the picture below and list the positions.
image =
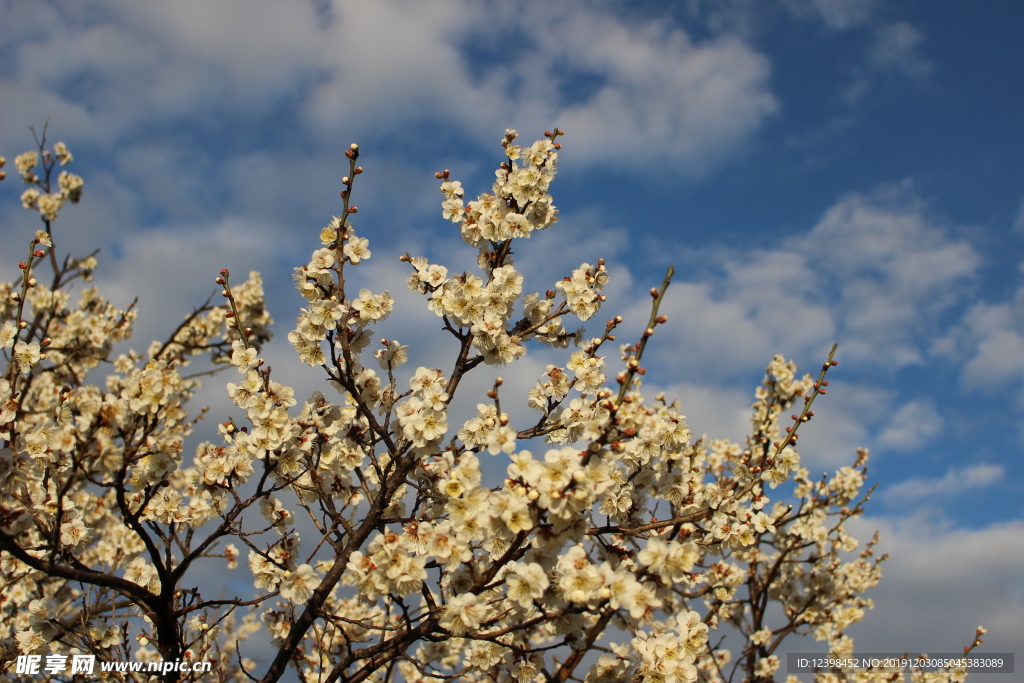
(615, 547)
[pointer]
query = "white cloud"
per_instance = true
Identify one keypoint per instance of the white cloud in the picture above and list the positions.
(1000, 358)
(655, 97)
(911, 426)
(382, 68)
(710, 334)
(747, 17)
(990, 340)
(836, 14)
(876, 274)
(956, 480)
(894, 270)
(897, 49)
(751, 305)
(698, 101)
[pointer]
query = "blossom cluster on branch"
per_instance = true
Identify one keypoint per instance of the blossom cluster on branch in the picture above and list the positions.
(614, 547)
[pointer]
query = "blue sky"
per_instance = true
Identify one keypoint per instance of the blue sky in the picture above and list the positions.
(817, 171)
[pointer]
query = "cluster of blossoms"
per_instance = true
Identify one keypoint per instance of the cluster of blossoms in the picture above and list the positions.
(518, 203)
(40, 196)
(440, 551)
